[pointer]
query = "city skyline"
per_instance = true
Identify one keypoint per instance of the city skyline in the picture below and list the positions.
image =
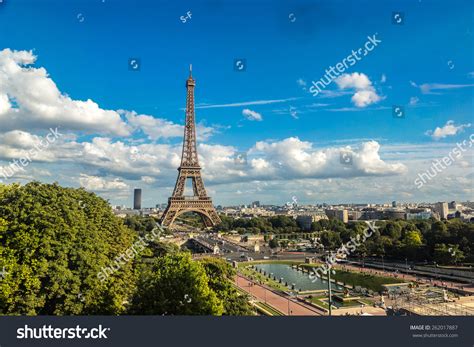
(262, 135)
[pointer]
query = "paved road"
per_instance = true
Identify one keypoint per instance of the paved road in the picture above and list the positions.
(281, 303)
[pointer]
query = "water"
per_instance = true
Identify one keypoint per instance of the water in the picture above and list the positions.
(299, 278)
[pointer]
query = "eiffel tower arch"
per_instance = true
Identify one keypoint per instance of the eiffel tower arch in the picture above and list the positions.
(190, 169)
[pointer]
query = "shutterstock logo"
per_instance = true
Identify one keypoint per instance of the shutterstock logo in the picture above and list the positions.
(48, 332)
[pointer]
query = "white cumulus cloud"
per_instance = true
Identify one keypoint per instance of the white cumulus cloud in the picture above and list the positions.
(252, 115)
(159, 128)
(449, 129)
(29, 99)
(95, 183)
(293, 158)
(365, 93)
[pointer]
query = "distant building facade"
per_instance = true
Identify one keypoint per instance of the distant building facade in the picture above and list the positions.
(305, 220)
(354, 215)
(394, 214)
(419, 215)
(256, 212)
(442, 209)
(341, 215)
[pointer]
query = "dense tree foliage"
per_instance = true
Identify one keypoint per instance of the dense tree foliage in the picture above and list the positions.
(175, 285)
(53, 243)
(191, 219)
(448, 254)
(141, 225)
(145, 225)
(220, 275)
(447, 242)
(273, 243)
(275, 224)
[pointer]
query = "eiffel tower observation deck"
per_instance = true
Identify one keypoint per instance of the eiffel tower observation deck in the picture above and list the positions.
(190, 169)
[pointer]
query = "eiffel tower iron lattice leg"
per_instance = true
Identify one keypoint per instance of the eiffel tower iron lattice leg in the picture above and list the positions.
(199, 202)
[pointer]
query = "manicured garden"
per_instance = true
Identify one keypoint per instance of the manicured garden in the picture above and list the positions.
(321, 301)
(365, 280)
(368, 281)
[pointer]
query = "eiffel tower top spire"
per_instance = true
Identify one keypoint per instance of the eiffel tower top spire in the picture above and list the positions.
(189, 156)
(190, 81)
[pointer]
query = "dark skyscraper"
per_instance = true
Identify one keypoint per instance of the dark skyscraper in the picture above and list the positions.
(137, 199)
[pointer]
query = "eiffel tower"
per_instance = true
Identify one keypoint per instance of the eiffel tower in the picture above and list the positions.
(200, 203)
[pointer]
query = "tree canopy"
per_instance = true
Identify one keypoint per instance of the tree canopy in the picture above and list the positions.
(53, 243)
(220, 275)
(175, 285)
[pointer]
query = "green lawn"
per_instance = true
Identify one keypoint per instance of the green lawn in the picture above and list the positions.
(269, 309)
(317, 300)
(368, 281)
(364, 280)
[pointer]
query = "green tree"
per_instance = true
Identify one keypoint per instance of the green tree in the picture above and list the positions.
(281, 221)
(158, 249)
(439, 230)
(273, 243)
(412, 239)
(225, 225)
(393, 229)
(330, 239)
(53, 243)
(316, 226)
(141, 225)
(220, 276)
(447, 254)
(424, 227)
(411, 242)
(175, 285)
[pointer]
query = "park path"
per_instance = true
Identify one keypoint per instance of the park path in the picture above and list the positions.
(280, 302)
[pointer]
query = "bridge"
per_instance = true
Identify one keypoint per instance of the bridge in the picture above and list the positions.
(202, 246)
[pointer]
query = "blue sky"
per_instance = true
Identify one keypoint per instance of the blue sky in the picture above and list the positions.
(424, 65)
